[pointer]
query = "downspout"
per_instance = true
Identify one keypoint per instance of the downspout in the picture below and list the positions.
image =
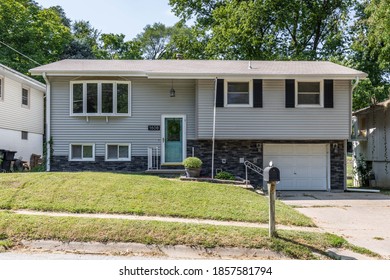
(48, 89)
(213, 138)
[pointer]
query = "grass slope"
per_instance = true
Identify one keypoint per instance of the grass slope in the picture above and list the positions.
(138, 194)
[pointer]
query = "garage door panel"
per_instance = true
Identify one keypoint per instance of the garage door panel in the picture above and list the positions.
(302, 166)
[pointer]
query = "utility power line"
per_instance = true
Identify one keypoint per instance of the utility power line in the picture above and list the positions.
(8, 46)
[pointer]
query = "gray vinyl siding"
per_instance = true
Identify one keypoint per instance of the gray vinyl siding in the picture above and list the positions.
(150, 99)
(274, 121)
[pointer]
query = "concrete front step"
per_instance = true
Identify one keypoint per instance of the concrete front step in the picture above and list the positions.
(166, 171)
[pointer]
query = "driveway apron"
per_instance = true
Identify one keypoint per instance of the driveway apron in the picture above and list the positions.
(361, 218)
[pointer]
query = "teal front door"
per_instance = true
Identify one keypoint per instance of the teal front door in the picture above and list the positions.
(173, 139)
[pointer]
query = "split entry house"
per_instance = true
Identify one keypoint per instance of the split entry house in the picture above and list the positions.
(136, 115)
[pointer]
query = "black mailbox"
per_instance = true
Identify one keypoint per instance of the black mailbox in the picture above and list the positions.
(271, 173)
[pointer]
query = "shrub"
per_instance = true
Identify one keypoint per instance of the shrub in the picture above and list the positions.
(224, 175)
(192, 162)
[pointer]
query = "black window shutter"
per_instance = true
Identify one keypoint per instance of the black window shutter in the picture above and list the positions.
(290, 93)
(220, 93)
(328, 93)
(258, 93)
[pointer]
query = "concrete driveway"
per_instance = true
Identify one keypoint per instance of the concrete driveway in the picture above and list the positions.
(361, 218)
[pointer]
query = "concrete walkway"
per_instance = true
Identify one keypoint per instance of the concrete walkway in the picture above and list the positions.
(164, 219)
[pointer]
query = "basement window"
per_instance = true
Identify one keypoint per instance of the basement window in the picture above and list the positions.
(82, 152)
(118, 152)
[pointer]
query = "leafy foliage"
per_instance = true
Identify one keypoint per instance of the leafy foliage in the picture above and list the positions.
(192, 162)
(224, 175)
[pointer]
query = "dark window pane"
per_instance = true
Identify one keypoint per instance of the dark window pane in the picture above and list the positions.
(173, 129)
(122, 98)
(76, 151)
(308, 87)
(77, 98)
(112, 151)
(238, 87)
(25, 96)
(87, 152)
(123, 151)
(107, 98)
(308, 99)
(238, 98)
(92, 98)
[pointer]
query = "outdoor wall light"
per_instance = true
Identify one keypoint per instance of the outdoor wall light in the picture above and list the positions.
(172, 92)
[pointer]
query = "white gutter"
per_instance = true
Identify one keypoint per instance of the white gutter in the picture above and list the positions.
(48, 89)
(213, 139)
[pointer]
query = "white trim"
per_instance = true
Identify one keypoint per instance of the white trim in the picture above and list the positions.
(184, 132)
(321, 105)
(2, 88)
(82, 149)
(118, 144)
(99, 101)
(225, 92)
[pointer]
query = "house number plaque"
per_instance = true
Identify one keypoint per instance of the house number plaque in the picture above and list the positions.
(153, 127)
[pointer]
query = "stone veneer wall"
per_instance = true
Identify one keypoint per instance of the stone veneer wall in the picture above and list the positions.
(137, 164)
(229, 150)
(252, 150)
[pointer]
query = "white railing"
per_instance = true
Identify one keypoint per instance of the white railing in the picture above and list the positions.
(253, 167)
(153, 158)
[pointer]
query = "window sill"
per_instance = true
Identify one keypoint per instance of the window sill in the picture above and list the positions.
(238, 105)
(100, 115)
(118, 160)
(92, 160)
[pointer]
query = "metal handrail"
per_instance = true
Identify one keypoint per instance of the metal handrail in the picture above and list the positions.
(253, 167)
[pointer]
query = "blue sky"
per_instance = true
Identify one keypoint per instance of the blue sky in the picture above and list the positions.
(116, 16)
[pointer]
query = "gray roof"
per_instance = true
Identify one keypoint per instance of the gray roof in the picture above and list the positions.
(22, 78)
(199, 68)
(379, 106)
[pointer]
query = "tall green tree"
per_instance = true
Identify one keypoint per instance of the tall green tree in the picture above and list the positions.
(114, 46)
(370, 51)
(269, 29)
(158, 41)
(154, 40)
(36, 32)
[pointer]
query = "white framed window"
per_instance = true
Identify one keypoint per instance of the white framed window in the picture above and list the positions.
(118, 152)
(100, 98)
(309, 94)
(81, 152)
(25, 97)
(238, 93)
(1, 89)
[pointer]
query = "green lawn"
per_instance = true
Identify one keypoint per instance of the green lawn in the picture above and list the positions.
(138, 194)
(294, 244)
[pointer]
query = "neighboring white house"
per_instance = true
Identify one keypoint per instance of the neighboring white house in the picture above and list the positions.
(131, 115)
(371, 135)
(21, 113)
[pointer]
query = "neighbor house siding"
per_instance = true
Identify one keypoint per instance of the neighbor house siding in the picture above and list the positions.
(13, 116)
(150, 99)
(374, 148)
(274, 121)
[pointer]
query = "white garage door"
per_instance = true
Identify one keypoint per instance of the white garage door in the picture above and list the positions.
(302, 166)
